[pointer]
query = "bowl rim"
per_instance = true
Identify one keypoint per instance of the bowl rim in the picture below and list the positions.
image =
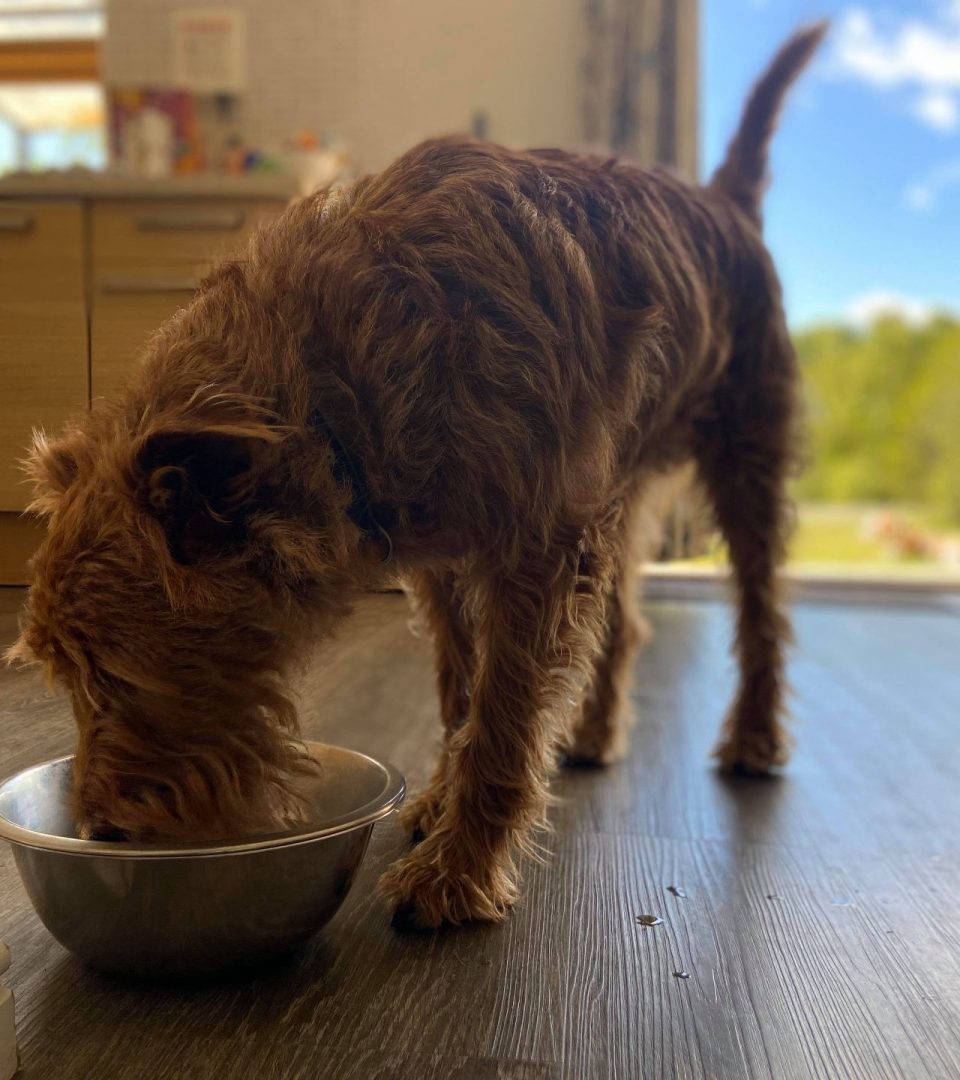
(389, 798)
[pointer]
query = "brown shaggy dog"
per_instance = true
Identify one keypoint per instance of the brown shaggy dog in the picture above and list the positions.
(475, 363)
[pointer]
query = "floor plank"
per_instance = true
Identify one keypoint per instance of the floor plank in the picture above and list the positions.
(819, 925)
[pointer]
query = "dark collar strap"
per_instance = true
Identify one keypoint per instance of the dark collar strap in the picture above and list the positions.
(347, 470)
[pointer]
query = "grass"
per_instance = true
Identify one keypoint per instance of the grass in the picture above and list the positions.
(838, 538)
(835, 535)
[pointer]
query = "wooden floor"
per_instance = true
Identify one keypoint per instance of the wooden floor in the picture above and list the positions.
(820, 921)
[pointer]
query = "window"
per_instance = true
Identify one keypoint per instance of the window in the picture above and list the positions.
(51, 101)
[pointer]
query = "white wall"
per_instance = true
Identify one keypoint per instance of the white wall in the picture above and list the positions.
(427, 67)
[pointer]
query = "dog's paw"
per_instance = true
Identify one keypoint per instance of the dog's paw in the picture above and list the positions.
(419, 815)
(596, 743)
(586, 753)
(426, 891)
(753, 752)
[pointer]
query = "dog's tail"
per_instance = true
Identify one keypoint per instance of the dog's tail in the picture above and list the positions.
(743, 175)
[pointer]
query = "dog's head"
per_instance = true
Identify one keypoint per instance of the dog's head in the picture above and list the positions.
(168, 597)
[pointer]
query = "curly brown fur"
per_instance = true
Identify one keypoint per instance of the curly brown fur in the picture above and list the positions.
(510, 348)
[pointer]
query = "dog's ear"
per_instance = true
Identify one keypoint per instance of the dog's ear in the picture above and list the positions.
(200, 482)
(51, 467)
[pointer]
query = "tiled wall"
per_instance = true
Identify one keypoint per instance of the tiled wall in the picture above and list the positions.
(383, 74)
(301, 56)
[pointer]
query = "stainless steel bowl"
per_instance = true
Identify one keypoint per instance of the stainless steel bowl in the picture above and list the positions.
(194, 909)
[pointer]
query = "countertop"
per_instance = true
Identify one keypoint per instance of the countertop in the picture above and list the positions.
(87, 184)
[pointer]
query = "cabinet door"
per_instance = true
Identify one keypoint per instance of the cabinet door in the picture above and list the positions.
(43, 330)
(150, 232)
(127, 308)
(148, 256)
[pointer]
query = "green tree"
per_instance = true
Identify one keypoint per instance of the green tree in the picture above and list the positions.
(883, 413)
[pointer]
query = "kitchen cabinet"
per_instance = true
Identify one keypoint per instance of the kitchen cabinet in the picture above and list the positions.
(86, 275)
(148, 257)
(43, 330)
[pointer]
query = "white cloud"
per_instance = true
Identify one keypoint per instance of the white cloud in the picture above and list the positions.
(924, 193)
(865, 309)
(938, 109)
(913, 55)
(919, 53)
(920, 197)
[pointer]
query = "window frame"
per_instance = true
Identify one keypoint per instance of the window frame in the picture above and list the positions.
(57, 60)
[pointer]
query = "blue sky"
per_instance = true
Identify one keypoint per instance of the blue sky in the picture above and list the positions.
(864, 210)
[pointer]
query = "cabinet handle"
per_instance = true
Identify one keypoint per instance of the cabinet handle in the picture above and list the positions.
(123, 284)
(16, 222)
(190, 220)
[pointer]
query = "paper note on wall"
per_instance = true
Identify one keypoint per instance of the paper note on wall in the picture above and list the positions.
(209, 50)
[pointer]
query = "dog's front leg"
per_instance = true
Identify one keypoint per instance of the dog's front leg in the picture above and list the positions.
(500, 760)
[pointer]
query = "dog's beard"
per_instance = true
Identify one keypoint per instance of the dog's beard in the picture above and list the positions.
(108, 809)
(233, 777)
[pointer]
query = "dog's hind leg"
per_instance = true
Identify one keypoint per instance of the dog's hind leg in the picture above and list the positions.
(535, 636)
(602, 724)
(744, 459)
(441, 604)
